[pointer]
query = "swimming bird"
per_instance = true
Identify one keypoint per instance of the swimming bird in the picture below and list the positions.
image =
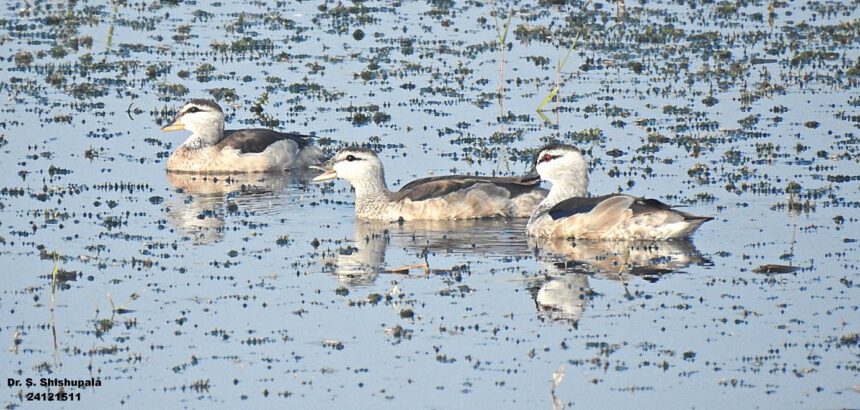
(211, 149)
(436, 198)
(569, 212)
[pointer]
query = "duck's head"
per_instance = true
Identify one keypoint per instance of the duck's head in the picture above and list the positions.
(562, 164)
(356, 165)
(204, 118)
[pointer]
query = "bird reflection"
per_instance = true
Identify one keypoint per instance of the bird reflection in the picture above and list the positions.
(562, 298)
(203, 201)
(564, 292)
(358, 262)
(561, 291)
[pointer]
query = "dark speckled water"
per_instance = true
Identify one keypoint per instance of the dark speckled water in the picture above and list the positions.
(263, 290)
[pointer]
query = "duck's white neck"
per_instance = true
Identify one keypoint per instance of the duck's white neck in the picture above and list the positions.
(371, 195)
(571, 185)
(573, 188)
(206, 137)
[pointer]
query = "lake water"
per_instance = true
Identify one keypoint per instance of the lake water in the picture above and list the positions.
(263, 290)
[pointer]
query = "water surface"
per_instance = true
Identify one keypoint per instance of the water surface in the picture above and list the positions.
(264, 291)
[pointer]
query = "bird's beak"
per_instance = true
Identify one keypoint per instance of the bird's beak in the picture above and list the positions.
(176, 125)
(532, 174)
(328, 173)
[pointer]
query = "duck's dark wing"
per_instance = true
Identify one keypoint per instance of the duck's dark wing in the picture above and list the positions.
(613, 204)
(435, 187)
(257, 140)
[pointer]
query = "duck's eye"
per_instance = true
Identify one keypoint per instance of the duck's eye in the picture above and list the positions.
(193, 110)
(351, 158)
(546, 158)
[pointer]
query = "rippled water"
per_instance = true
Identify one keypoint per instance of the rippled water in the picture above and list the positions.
(263, 290)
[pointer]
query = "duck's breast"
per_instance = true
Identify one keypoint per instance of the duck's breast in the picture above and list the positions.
(191, 160)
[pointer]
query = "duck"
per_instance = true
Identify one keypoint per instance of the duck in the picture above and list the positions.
(450, 197)
(569, 212)
(212, 149)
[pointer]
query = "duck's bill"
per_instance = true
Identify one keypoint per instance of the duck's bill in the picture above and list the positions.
(176, 126)
(328, 173)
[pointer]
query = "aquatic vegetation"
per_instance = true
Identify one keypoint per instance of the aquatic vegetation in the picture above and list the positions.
(255, 290)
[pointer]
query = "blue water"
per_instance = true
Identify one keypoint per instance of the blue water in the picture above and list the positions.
(264, 290)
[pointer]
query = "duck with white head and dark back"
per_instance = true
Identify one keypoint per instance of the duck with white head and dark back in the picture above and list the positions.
(212, 149)
(569, 212)
(448, 197)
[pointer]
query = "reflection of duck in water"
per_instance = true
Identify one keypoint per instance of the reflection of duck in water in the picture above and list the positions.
(437, 198)
(568, 212)
(562, 298)
(206, 200)
(565, 292)
(211, 149)
(360, 261)
(496, 237)
(612, 259)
